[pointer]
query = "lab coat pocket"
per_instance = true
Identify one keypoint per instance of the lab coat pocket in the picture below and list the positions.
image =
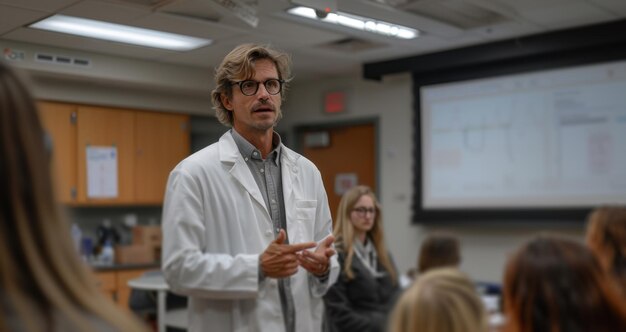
(305, 221)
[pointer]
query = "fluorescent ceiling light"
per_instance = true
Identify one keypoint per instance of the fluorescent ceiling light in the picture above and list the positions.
(119, 33)
(358, 22)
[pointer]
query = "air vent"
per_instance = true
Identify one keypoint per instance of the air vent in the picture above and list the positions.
(350, 45)
(62, 60)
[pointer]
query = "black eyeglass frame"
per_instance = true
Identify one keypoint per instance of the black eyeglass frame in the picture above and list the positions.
(363, 211)
(280, 86)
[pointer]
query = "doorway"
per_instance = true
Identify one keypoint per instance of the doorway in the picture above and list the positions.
(345, 153)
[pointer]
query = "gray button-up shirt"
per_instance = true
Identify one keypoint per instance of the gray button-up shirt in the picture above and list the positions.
(267, 175)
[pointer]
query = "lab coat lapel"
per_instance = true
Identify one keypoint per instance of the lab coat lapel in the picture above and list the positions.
(229, 154)
(291, 183)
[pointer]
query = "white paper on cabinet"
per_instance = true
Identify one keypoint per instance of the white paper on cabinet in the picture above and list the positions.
(101, 171)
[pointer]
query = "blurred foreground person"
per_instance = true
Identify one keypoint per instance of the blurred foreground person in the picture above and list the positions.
(553, 284)
(606, 236)
(440, 300)
(44, 285)
(367, 287)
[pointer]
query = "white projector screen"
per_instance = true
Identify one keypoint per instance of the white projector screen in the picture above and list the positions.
(546, 139)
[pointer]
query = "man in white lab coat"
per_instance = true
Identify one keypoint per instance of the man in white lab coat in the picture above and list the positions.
(246, 224)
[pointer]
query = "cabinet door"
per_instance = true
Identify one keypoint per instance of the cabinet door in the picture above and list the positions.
(162, 140)
(107, 283)
(103, 127)
(59, 121)
(123, 290)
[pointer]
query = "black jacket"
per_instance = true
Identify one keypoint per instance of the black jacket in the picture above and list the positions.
(361, 304)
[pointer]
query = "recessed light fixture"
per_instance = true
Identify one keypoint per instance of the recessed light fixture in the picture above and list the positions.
(358, 22)
(119, 33)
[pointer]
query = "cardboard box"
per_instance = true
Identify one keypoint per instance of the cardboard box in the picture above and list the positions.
(147, 235)
(134, 254)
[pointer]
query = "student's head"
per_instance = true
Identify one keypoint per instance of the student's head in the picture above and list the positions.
(606, 236)
(557, 285)
(241, 65)
(440, 300)
(41, 275)
(360, 213)
(439, 250)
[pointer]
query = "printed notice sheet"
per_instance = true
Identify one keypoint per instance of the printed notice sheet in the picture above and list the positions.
(101, 172)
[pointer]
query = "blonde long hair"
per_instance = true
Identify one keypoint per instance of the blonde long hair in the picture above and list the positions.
(344, 231)
(441, 300)
(41, 275)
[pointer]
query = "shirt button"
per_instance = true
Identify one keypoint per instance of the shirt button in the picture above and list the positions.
(262, 170)
(246, 158)
(277, 230)
(254, 154)
(273, 200)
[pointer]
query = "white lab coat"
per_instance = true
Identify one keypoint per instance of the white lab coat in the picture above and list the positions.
(215, 226)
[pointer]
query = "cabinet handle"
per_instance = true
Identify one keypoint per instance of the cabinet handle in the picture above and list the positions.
(73, 117)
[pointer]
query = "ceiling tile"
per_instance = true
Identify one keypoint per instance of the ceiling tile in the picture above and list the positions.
(40, 5)
(13, 18)
(185, 25)
(107, 11)
(566, 15)
(614, 6)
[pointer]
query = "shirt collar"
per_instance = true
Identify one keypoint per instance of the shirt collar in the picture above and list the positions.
(248, 150)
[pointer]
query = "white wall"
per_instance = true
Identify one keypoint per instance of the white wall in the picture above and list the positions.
(116, 81)
(485, 245)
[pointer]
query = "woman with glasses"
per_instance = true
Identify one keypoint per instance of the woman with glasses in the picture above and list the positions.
(367, 287)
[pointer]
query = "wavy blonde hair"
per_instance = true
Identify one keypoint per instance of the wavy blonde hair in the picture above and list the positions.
(41, 275)
(238, 65)
(440, 300)
(345, 235)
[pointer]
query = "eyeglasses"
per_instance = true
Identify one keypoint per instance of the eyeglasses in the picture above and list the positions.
(250, 87)
(361, 211)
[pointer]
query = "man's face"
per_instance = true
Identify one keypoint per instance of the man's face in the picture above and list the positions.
(256, 114)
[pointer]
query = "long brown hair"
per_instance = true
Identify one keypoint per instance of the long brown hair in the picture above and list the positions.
(553, 284)
(41, 275)
(606, 237)
(344, 231)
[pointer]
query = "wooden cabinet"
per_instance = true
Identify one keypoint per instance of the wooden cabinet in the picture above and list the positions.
(107, 284)
(59, 121)
(104, 127)
(161, 141)
(115, 284)
(148, 146)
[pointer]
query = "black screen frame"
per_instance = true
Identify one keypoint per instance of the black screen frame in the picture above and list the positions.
(561, 49)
